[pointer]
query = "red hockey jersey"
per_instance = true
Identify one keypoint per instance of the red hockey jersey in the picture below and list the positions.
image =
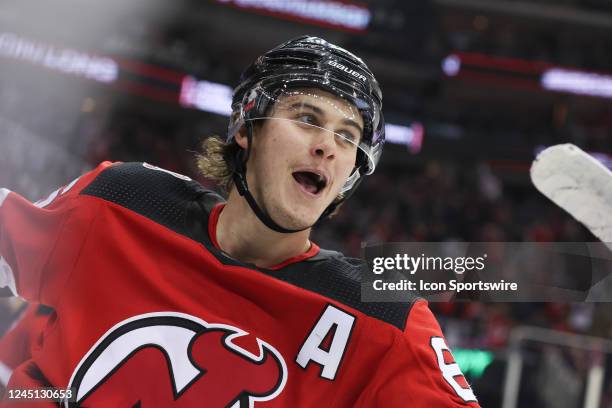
(149, 312)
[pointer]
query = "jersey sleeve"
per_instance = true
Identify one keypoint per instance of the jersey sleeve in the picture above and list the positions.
(16, 344)
(39, 242)
(419, 370)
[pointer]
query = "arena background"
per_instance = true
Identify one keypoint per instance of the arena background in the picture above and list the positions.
(473, 89)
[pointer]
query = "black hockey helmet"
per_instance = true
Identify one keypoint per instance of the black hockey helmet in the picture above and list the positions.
(302, 63)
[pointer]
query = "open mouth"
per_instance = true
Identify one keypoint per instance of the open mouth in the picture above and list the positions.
(311, 182)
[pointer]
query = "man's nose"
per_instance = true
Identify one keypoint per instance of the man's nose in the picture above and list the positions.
(323, 147)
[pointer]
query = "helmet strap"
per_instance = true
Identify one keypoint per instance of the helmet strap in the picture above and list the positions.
(336, 203)
(240, 180)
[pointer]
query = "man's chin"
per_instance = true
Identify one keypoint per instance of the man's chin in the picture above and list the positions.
(298, 221)
(300, 224)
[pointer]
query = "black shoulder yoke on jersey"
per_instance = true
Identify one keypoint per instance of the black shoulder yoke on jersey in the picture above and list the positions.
(184, 205)
(158, 195)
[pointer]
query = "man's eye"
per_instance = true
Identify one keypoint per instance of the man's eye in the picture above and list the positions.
(347, 137)
(308, 119)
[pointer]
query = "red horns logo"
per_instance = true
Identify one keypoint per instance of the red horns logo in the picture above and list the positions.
(176, 360)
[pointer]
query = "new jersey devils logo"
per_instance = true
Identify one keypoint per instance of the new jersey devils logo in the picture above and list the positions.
(177, 360)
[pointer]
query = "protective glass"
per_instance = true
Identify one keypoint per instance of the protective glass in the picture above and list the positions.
(312, 112)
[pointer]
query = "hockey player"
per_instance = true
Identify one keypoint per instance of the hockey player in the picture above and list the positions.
(166, 295)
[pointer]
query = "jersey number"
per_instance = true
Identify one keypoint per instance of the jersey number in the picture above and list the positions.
(450, 371)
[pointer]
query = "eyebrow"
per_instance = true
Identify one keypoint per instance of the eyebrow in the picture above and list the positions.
(319, 111)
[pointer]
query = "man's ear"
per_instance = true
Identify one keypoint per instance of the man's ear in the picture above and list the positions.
(241, 138)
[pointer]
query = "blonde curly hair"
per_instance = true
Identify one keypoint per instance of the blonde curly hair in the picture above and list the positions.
(214, 161)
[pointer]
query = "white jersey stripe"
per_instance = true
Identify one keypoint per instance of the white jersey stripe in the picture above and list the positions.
(48, 200)
(3, 194)
(5, 374)
(69, 186)
(7, 278)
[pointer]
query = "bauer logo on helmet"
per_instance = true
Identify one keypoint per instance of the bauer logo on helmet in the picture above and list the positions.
(347, 70)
